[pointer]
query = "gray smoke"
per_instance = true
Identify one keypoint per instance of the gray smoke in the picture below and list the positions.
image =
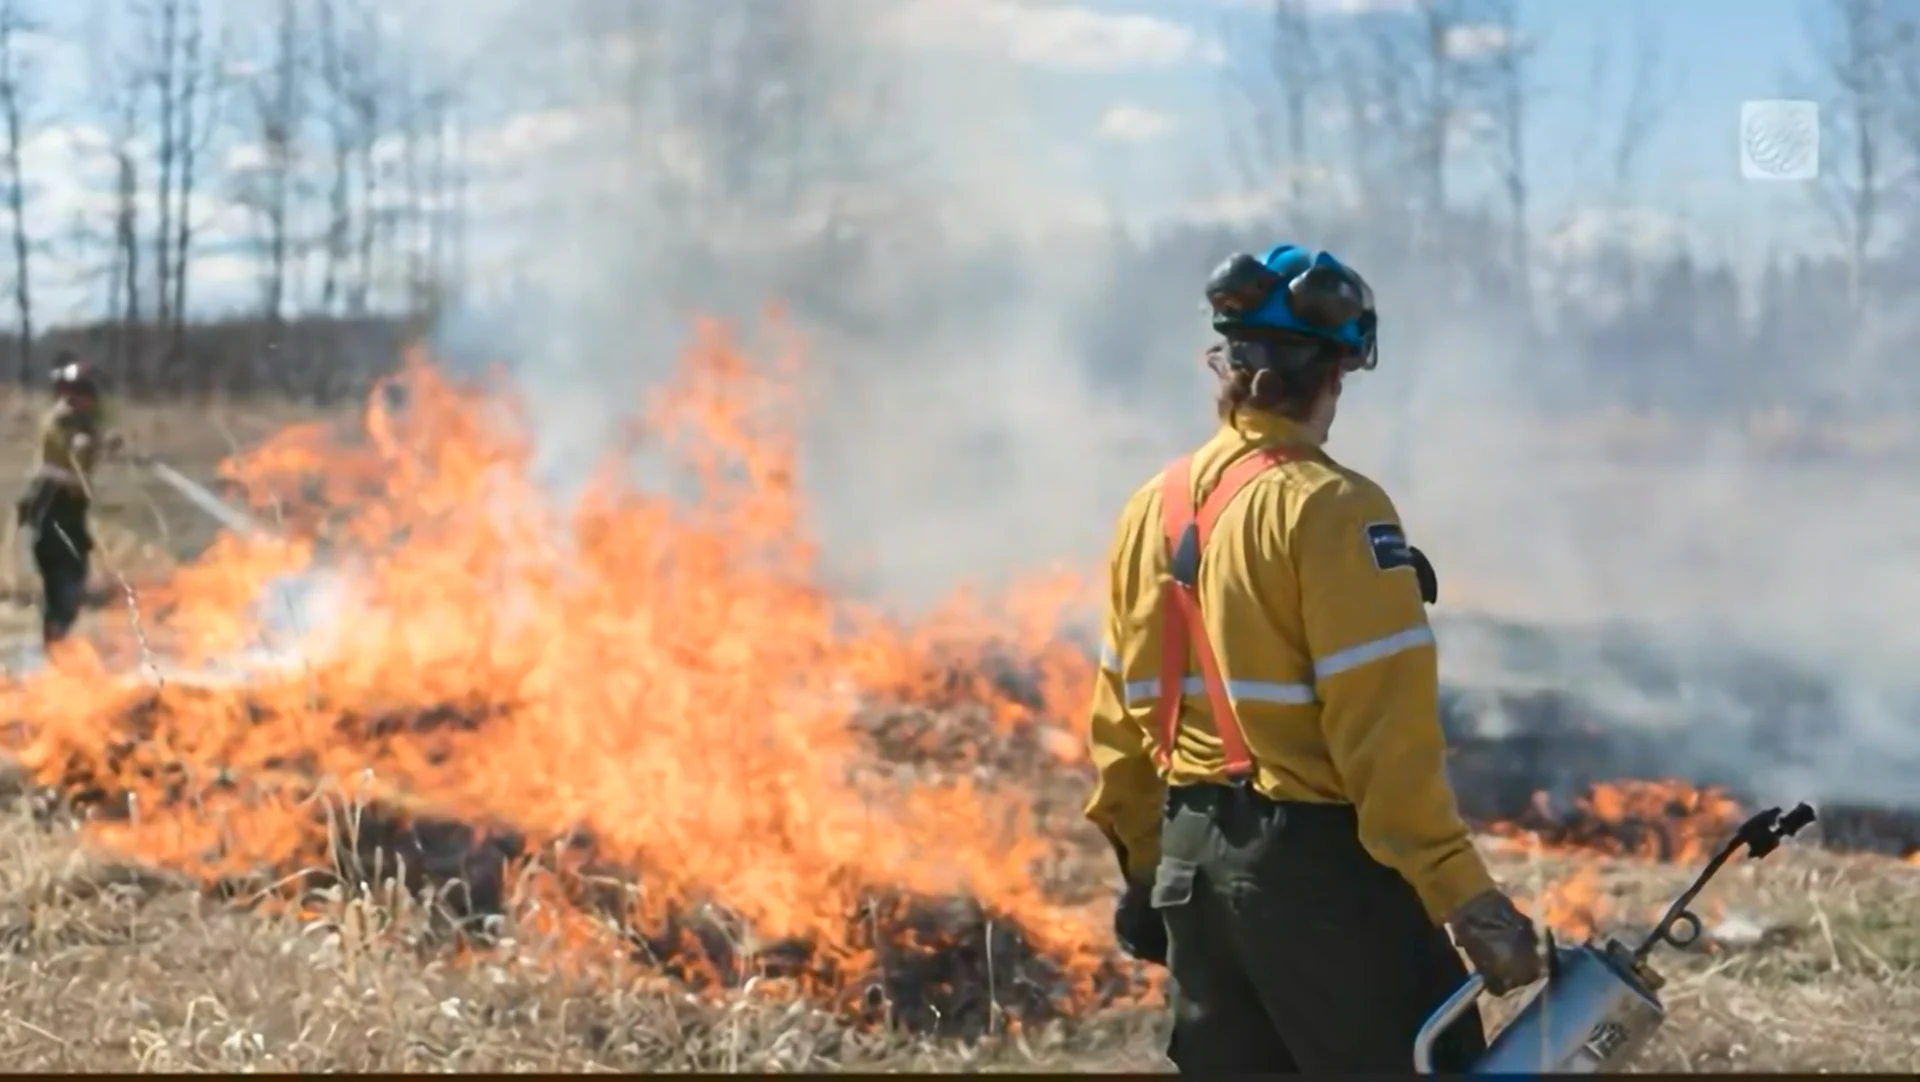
(995, 362)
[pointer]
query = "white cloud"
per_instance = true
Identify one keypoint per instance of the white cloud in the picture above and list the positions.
(1067, 37)
(1474, 124)
(505, 145)
(245, 158)
(1263, 204)
(527, 134)
(1466, 41)
(1475, 41)
(1359, 7)
(71, 180)
(226, 280)
(1134, 124)
(1332, 7)
(65, 147)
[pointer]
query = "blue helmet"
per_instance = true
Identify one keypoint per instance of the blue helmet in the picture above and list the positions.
(1291, 293)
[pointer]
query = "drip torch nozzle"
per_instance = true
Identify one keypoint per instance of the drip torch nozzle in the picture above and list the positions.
(1759, 836)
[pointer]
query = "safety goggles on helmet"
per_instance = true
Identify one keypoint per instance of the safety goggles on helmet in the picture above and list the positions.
(1291, 293)
(74, 378)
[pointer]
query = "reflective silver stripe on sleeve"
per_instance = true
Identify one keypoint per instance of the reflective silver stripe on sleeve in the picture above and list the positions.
(1240, 691)
(1109, 660)
(1368, 652)
(1267, 691)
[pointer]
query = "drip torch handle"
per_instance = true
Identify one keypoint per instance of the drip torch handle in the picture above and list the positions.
(1456, 1006)
(1759, 836)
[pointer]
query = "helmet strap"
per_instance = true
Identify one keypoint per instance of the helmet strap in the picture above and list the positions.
(1256, 385)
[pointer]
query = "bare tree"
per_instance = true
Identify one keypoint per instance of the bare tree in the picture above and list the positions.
(338, 115)
(1859, 67)
(411, 222)
(201, 85)
(1906, 112)
(1651, 84)
(126, 220)
(387, 123)
(457, 180)
(1510, 89)
(14, 74)
(266, 188)
(164, 44)
(1446, 43)
(366, 100)
(174, 70)
(1277, 100)
(437, 108)
(1419, 85)
(1375, 102)
(760, 117)
(1438, 103)
(118, 86)
(433, 172)
(127, 229)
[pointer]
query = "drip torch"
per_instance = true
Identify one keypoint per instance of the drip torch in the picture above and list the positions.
(1599, 1004)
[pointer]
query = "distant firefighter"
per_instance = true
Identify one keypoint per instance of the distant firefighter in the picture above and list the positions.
(1265, 723)
(60, 492)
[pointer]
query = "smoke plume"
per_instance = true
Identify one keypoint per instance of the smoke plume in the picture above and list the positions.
(996, 357)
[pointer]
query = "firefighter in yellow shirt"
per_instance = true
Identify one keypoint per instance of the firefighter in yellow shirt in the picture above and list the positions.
(1271, 769)
(59, 494)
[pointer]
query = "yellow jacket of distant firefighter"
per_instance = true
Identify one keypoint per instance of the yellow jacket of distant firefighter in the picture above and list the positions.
(70, 442)
(1315, 616)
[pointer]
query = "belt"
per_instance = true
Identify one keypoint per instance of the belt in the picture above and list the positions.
(1217, 797)
(56, 473)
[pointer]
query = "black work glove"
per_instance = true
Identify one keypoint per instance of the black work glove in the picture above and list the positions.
(1137, 925)
(1423, 571)
(1499, 940)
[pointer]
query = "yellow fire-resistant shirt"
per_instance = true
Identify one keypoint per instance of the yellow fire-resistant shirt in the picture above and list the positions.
(1328, 658)
(69, 442)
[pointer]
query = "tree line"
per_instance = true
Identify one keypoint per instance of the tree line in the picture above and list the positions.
(306, 119)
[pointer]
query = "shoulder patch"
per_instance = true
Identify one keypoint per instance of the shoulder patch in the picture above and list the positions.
(1388, 544)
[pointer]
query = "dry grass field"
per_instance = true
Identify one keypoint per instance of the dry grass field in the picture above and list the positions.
(108, 967)
(1812, 961)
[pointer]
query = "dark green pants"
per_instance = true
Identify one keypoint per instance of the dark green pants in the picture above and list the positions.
(1293, 950)
(62, 550)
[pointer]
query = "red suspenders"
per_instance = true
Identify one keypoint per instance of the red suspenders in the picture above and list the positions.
(1181, 628)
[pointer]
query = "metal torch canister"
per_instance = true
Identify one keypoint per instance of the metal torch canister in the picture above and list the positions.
(1599, 1004)
(1595, 1012)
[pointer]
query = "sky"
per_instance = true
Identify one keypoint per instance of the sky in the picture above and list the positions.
(1152, 99)
(1121, 102)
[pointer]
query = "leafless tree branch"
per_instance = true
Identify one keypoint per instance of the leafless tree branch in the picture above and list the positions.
(14, 102)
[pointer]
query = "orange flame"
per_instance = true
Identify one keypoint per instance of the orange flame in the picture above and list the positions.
(663, 675)
(1573, 907)
(654, 667)
(1666, 821)
(1663, 820)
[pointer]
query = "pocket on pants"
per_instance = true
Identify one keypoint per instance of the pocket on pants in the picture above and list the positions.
(1173, 883)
